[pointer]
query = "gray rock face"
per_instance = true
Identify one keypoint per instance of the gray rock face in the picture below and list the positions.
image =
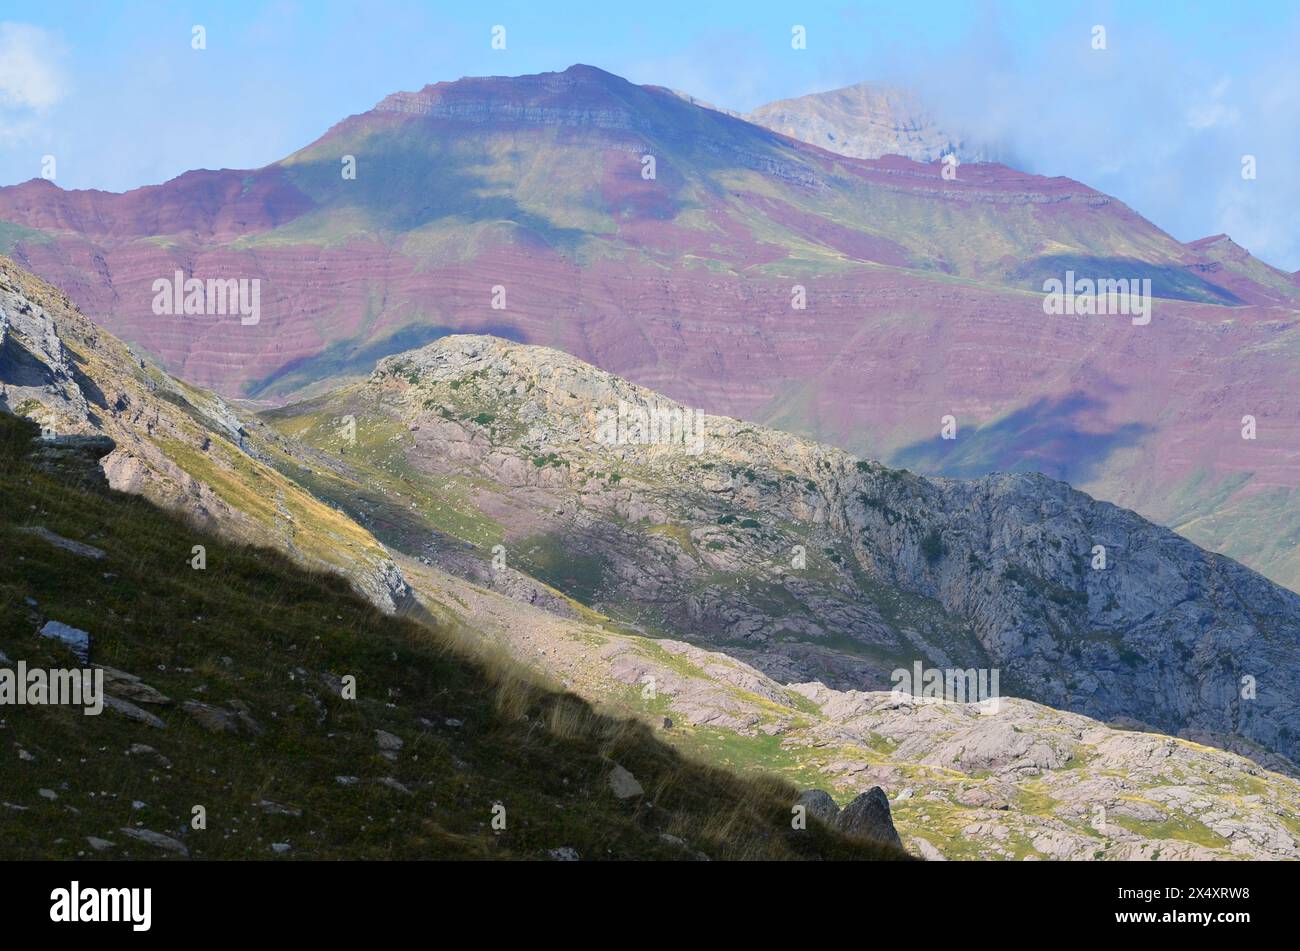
(1167, 633)
(108, 417)
(868, 817)
(819, 804)
(75, 457)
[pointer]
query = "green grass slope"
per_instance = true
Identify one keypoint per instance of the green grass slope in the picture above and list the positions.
(254, 632)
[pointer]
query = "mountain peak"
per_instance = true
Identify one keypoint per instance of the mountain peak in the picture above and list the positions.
(867, 120)
(578, 84)
(1221, 245)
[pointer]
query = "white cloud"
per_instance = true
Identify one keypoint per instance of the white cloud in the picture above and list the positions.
(1211, 110)
(1153, 124)
(31, 71)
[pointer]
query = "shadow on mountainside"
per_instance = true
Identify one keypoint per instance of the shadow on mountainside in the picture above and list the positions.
(1045, 436)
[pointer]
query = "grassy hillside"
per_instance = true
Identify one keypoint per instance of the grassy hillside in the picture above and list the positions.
(265, 644)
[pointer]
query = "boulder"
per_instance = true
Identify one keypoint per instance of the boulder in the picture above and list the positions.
(819, 804)
(157, 839)
(75, 638)
(216, 720)
(132, 712)
(868, 817)
(623, 784)
(130, 687)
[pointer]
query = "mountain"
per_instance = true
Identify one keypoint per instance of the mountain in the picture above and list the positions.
(795, 557)
(866, 121)
(922, 296)
(242, 710)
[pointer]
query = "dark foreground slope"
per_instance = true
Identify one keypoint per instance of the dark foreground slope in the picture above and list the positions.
(239, 709)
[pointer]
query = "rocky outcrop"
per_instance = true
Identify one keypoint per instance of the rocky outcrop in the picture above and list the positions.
(216, 719)
(74, 638)
(968, 781)
(76, 458)
(867, 121)
(811, 564)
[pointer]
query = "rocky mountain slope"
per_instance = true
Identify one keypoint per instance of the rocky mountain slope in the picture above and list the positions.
(966, 781)
(229, 732)
(243, 715)
(921, 296)
(795, 557)
(181, 447)
(866, 121)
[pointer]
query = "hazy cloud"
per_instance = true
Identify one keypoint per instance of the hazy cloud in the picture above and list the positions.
(1144, 120)
(32, 81)
(31, 73)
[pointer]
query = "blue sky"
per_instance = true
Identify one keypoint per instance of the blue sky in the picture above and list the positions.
(1161, 118)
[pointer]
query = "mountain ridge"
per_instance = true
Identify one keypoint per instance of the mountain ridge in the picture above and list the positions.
(1004, 558)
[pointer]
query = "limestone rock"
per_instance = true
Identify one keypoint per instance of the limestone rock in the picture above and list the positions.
(623, 784)
(65, 544)
(156, 839)
(76, 639)
(132, 712)
(130, 687)
(389, 744)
